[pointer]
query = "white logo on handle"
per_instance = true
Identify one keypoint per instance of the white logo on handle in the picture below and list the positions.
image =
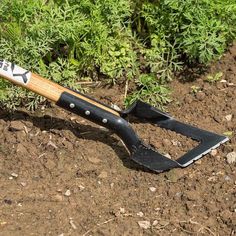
(14, 72)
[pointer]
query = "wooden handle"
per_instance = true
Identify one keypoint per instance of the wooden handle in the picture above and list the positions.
(40, 85)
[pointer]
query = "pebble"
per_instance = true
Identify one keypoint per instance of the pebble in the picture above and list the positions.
(198, 162)
(144, 224)
(14, 175)
(67, 193)
(81, 187)
(227, 178)
(23, 184)
(231, 157)
(229, 117)
(72, 224)
(155, 222)
(168, 155)
(94, 160)
(223, 81)
(214, 152)
(212, 179)
(140, 214)
(50, 143)
(122, 210)
(103, 175)
(175, 143)
(152, 189)
(114, 106)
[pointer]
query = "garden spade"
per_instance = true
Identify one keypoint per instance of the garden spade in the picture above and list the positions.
(115, 121)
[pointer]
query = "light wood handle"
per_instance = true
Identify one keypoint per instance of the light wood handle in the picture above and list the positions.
(42, 86)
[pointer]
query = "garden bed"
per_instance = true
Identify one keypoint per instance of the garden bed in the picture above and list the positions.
(62, 175)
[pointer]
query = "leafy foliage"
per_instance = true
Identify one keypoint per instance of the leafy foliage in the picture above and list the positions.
(144, 40)
(149, 91)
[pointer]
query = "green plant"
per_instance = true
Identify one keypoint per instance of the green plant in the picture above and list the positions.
(198, 29)
(195, 89)
(111, 40)
(150, 91)
(214, 78)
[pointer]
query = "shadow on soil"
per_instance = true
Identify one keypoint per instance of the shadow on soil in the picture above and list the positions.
(88, 132)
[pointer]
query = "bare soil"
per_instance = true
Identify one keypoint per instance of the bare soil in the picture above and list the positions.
(62, 175)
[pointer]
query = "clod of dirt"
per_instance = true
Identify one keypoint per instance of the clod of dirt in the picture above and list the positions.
(174, 175)
(192, 195)
(200, 96)
(16, 126)
(231, 157)
(188, 99)
(50, 164)
(144, 224)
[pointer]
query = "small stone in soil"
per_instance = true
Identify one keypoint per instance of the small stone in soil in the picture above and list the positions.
(168, 155)
(50, 143)
(229, 117)
(155, 222)
(231, 157)
(152, 189)
(67, 193)
(94, 160)
(14, 175)
(227, 178)
(81, 187)
(214, 152)
(140, 214)
(23, 184)
(144, 224)
(122, 210)
(103, 175)
(114, 106)
(198, 162)
(72, 224)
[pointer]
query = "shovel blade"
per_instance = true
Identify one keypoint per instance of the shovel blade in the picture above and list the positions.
(151, 159)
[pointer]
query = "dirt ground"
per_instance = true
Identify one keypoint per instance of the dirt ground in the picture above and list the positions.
(62, 175)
